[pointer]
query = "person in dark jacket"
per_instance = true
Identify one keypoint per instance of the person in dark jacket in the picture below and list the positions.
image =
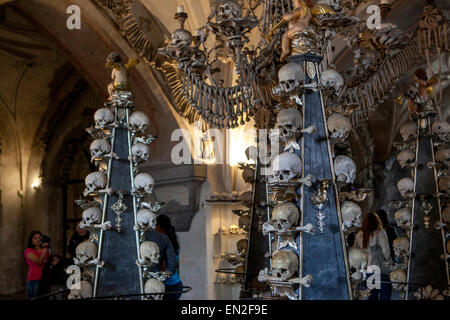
(57, 276)
(79, 236)
(173, 284)
(167, 256)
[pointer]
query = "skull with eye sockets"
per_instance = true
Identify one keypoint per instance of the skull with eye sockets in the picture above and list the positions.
(339, 126)
(284, 264)
(345, 169)
(138, 122)
(443, 156)
(405, 158)
(286, 167)
(408, 131)
(140, 152)
(228, 9)
(405, 187)
(94, 182)
(289, 122)
(153, 286)
(441, 129)
(285, 216)
(99, 148)
(103, 117)
(91, 216)
(332, 79)
(291, 77)
(403, 218)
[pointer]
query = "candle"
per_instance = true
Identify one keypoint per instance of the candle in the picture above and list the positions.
(180, 9)
(384, 1)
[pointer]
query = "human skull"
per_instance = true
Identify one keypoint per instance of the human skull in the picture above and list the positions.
(332, 79)
(412, 91)
(401, 247)
(284, 264)
(351, 214)
(403, 218)
(247, 198)
(95, 181)
(289, 121)
(443, 156)
(290, 76)
(103, 117)
(286, 167)
(242, 246)
(339, 126)
(234, 229)
(285, 216)
(408, 131)
(248, 174)
(398, 279)
(91, 216)
(139, 122)
(345, 169)
(153, 286)
(144, 182)
(149, 251)
(406, 157)
(235, 195)
(244, 223)
(140, 151)
(357, 258)
(146, 219)
(228, 9)
(446, 215)
(99, 148)
(85, 252)
(84, 291)
(181, 38)
(405, 187)
(444, 184)
(214, 196)
(441, 129)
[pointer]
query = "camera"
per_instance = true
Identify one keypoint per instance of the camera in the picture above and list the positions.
(45, 239)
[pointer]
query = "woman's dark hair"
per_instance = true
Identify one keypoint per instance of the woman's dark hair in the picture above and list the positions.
(30, 238)
(370, 224)
(383, 217)
(165, 224)
(421, 74)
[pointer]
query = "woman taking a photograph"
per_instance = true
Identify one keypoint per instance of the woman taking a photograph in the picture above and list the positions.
(36, 256)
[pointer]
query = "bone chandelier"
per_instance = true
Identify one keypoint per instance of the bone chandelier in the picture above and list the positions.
(252, 35)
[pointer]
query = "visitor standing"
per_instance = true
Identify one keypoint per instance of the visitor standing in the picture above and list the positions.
(173, 284)
(36, 255)
(79, 236)
(373, 240)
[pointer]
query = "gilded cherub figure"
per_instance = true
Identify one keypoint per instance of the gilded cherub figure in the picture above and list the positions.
(119, 74)
(298, 19)
(419, 94)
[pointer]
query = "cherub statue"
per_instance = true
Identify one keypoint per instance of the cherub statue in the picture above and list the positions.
(298, 19)
(119, 74)
(420, 96)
